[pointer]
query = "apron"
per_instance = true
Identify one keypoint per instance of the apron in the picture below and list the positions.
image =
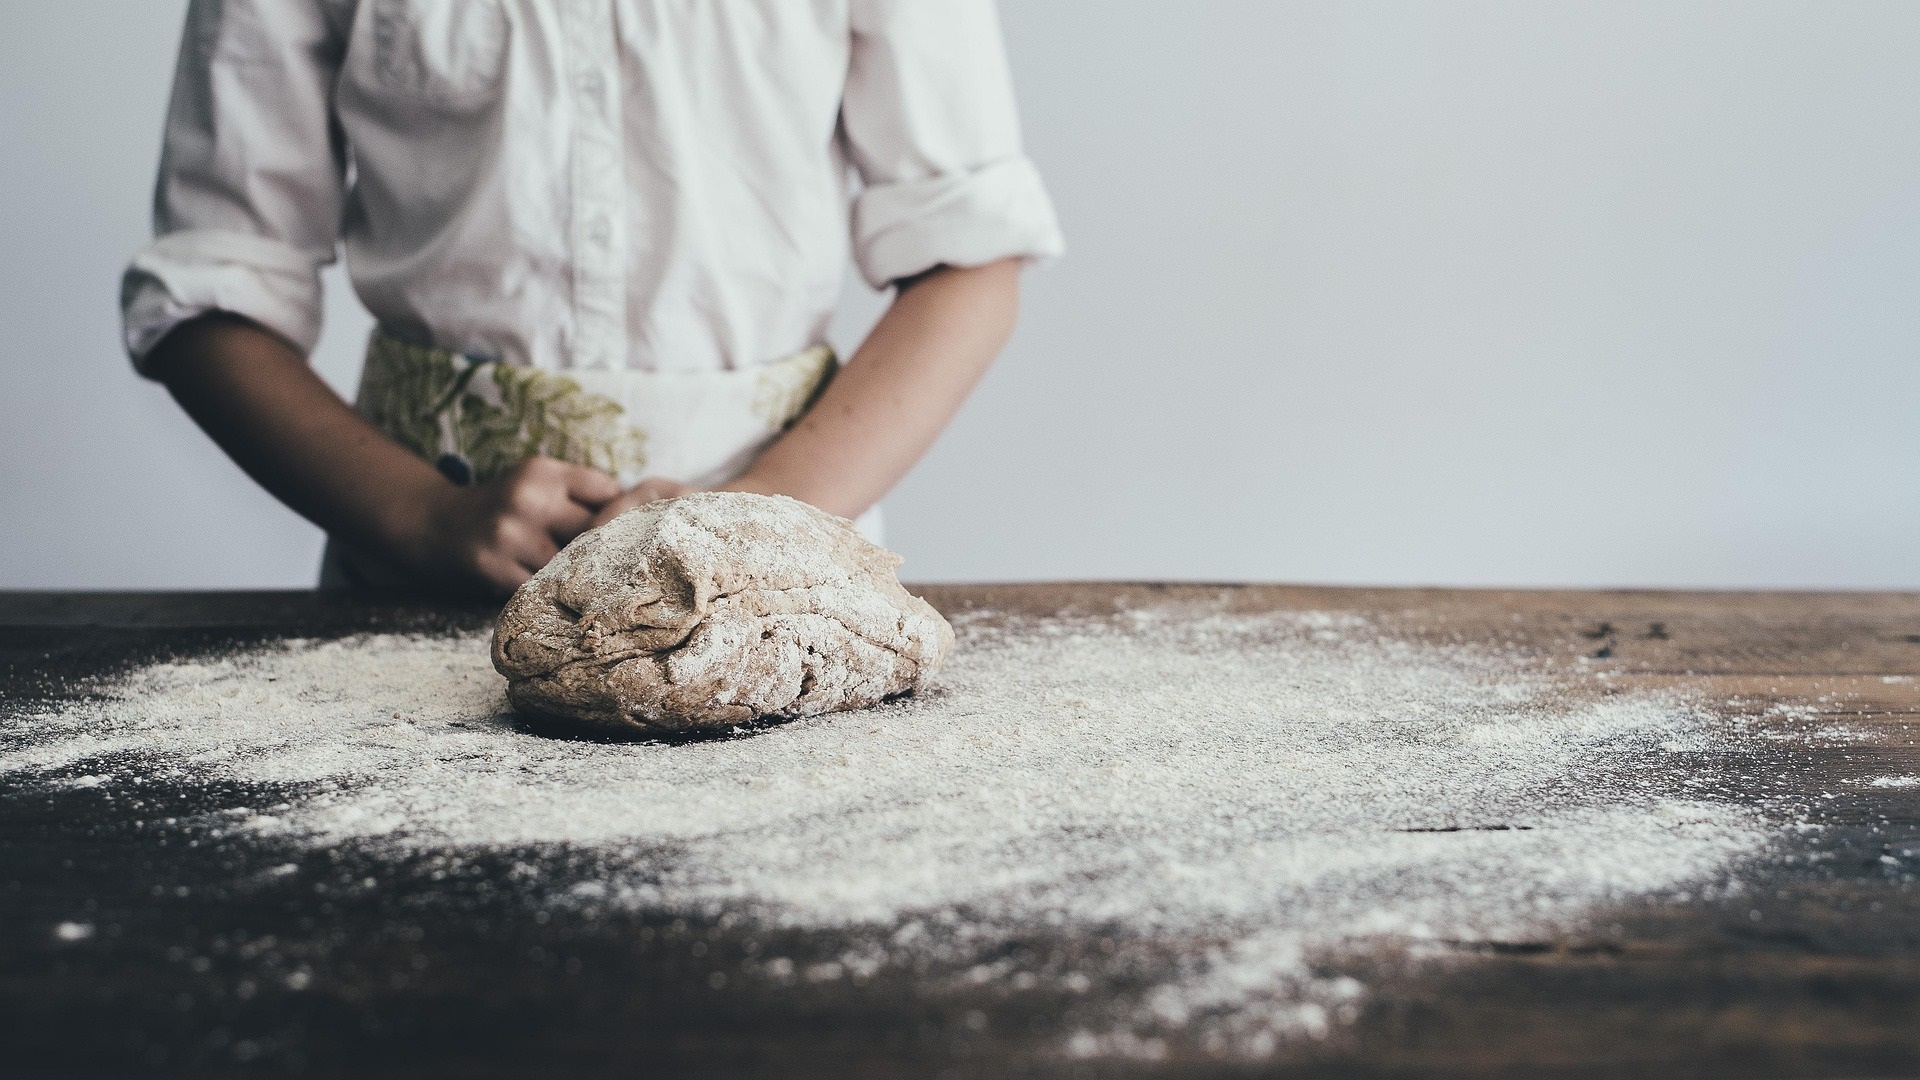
(475, 419)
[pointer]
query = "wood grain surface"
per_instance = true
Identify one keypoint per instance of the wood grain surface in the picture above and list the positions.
(1812, 970)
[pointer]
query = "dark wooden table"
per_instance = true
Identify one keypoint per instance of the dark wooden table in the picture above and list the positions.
(1814, 971)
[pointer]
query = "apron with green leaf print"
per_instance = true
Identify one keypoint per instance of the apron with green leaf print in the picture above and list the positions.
(475, 419)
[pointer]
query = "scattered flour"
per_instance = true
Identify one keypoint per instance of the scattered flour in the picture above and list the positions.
(1242, 792)
(1894, 781)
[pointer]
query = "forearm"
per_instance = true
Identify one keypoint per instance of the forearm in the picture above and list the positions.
(897, 393)
(261, 402)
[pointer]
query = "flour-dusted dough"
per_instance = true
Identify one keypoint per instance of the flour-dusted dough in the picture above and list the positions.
(711, 610)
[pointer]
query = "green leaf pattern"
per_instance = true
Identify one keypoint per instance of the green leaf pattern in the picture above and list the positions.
(492, 415)
(787, 389)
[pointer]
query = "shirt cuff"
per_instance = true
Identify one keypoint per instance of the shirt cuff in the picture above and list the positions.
(998, 211)
(186, 274)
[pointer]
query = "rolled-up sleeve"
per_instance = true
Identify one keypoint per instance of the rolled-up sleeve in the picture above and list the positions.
(930, 125)
(252, 183)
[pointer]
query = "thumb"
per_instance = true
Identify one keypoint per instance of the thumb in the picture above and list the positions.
(590, 488)
(660, 487)
(640, 494)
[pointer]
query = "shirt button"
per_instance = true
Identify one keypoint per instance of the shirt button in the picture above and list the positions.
(599, 230)
(592, 84)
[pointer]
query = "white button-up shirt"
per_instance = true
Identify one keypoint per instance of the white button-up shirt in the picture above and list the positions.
(655, 185)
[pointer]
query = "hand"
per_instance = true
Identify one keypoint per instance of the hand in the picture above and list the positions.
(498, 533)
(642, 493)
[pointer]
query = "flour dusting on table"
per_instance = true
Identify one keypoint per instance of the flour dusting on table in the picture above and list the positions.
(1244, 792)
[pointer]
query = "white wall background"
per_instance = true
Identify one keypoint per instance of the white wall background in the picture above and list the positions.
(1435, 291)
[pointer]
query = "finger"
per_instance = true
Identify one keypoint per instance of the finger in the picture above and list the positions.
(619, 506)
(590, 488)
(655, 488)
(538, 491)
(524, 541)
(567, 519)
(536, 551)
(501, 574)
(646, 491)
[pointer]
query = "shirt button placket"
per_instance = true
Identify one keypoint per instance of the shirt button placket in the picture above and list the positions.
(597, 189)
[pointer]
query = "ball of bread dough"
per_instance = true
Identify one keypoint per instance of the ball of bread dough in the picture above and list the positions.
(712, 610)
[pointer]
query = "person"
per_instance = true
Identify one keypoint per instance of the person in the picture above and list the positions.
(602, 241)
